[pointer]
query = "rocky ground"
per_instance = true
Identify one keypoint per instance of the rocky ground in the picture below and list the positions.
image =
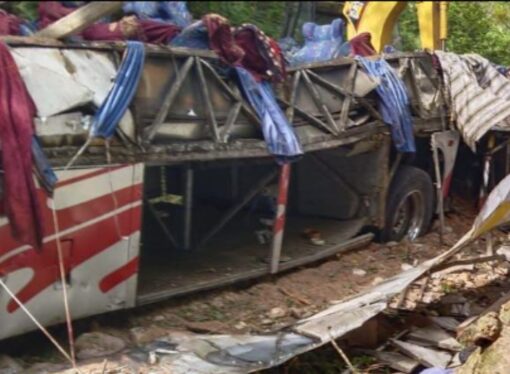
(267, 305)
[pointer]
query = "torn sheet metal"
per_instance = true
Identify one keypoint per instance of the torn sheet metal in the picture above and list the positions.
(477, 95)
(245, 354)
(49, 81)
(186, 352)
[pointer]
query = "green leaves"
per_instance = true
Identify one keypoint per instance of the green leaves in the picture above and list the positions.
(473, 27)
(267, 15)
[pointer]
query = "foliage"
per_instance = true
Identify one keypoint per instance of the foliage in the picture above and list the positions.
(268, 15)
(24, 9)
(473, 27)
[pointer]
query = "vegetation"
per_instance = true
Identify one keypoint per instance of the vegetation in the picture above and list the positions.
(481, 27)
(474, 26)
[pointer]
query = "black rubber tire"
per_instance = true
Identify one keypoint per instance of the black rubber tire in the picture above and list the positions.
(410, 205)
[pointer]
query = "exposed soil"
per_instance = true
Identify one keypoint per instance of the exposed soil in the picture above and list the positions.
(266, 305)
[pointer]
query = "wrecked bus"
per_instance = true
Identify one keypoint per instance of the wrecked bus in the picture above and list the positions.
(186, 196)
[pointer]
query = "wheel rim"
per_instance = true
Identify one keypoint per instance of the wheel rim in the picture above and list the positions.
(408, 218)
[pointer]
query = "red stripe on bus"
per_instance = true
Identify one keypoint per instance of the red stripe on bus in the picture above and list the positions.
(83, 245)
(119, 276)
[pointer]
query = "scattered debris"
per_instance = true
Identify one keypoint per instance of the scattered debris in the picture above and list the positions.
(207, 327)
(359, 272)
(426, 356)
(97, 344)
(276, 313)
(8, 365)
(397, 361)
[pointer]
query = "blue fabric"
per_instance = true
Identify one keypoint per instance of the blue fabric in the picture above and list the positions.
(278, 133)
(322, 43)
(389, 49)
(193, 36)
(393, 103)
(175, 12)
(44, 170)
(116, 103)
(289, 47)
(28, 28)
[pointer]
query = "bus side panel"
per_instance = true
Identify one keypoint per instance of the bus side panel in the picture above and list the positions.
(99, 218)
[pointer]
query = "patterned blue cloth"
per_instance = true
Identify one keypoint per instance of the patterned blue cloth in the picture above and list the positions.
(175, 12)
(278, 132)
(393, 103)
(193, 36)
(322, 43)
(289, 47)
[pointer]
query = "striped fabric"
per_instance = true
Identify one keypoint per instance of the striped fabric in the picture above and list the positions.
(477, 94)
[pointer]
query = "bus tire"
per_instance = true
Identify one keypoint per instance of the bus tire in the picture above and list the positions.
(410, 205)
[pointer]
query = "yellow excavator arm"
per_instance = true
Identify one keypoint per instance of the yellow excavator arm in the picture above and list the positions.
(380, 17)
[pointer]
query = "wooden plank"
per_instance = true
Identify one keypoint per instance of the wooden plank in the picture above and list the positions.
(79, 19)
(397, 361)
(437, 337)
(447, 323)
(426, 356)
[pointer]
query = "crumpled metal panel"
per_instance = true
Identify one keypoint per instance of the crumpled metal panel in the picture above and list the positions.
(50, 81)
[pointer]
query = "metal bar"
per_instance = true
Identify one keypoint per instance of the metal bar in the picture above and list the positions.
(161, 224)
(295, 85)
(395, 166)
(211, 119)
(188, 207)
(237, 207)
(346, 104)
(439, 187)
(169, 99)
(318, 102)
(231, 119)
(343, 91)
(279, 222)
(233, 96)
(309, 117)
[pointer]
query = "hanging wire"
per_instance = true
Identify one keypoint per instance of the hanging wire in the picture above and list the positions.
(69, 320)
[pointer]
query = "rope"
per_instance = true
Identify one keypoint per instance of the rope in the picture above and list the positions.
(69, 320)
(36, 322)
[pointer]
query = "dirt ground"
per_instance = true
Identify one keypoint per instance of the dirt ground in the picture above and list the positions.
(265, 305)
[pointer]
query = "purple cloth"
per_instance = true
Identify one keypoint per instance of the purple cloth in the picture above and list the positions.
(17, 112)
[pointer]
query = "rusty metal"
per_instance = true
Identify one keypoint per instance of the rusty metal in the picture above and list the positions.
(346, 104)
(169, 98)
(232, 117)
(331, 124)
(237, 207)
(207, 98)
